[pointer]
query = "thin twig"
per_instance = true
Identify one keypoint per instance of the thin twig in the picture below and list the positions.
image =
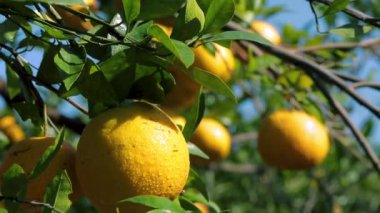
(355, 131)
(310, 67)
(31, 203)
(354, 13)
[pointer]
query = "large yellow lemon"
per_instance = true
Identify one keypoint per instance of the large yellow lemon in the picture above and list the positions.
(28, 152)
(267, 31)
(129, 151)
(290, 139)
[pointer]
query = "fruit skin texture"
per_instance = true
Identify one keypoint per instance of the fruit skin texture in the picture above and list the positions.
(221, 63)
(294, 140)
(129, 151)
(11, 129)
(212, 138)
(267, 31)
(28, 152)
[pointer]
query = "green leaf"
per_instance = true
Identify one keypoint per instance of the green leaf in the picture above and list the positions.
(352, 30)
(218, 14)
(47, 156)
(28, 110)
(99, 100)
(262, 62)
(13, 184)
(211, 81)
(119, 71)
(155, 202)
(194, 150)
(131, 10)
(196, 182)
(57, 193)
(237, 35)
(139, 34)
(48, 72)
(188, 205)
(179, 49)
(71, 62)
(336, 6)
(194, 116)
(13, 83)
(64, 2)
(152, 9)
(8, 31)
(190, 21)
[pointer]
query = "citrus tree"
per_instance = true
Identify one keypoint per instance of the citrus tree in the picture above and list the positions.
(187, 106)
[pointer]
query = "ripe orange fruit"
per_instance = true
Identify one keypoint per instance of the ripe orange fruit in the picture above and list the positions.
(129, 151)
(11, 129)
(290, 139)
(267, 31)
(212, 138)
(221, 63)
(202, 207)
(28, 152)
(75, 21)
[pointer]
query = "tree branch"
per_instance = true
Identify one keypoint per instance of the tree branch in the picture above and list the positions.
(354, 13)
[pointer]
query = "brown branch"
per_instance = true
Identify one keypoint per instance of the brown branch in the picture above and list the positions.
(75, 124)
(30, 203)
(355, 131)
(354, 13)
(238, 168)
(243, 137)
(341, 45)
(310, 67)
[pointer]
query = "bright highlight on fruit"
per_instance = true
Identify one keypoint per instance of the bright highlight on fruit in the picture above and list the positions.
(129, 151)
(267, 31)
(27, 153)
(290, 139)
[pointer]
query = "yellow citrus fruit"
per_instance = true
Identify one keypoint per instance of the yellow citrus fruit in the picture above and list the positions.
(11, 129)
(291, 139)
(267, 31)
(74, 21)
(212, 138)
(28, 152)
(202, 207)
(129, 151)
(221, 63)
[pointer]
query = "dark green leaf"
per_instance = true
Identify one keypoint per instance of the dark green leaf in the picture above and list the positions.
(190, 22)
(48, 72)
(152, 9)
(237, 35)
(47, 156)
(62, 2)
(131, 10)
(13, 184)
(13, 83)
(179, 49)
(139, 34)
(367, 127)
(57, 193)
(8, 31)
(211, 81)
(218, 14)
(28, 110)
(188, 205)
(155, 202)
(119, 71)
(194, 116)
(336, 6)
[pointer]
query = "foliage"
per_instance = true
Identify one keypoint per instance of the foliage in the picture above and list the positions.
(126, 56)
